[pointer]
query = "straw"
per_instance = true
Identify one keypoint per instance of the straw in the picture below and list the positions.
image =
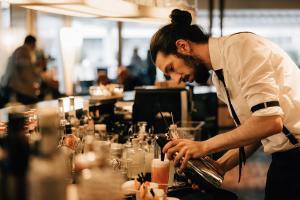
(172, 118)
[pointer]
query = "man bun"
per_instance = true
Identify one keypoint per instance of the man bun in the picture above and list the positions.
(181, 17)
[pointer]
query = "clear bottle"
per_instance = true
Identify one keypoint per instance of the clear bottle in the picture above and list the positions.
(62, 117)
(70, 140)
(72, 119)
(116, 152)
(142, 134)
(81, 132)
(68, 147)
(100, 181)
(89, 120)
(135, 159)
(149, 155)
(48, 174)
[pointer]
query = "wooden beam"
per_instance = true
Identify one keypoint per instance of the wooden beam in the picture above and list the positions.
(31, 22)
(120, 43)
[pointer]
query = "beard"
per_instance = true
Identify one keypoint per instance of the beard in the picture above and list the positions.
(201, 69)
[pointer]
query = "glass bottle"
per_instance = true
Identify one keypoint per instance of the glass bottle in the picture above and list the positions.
(116, 152)
(70, 140)
(15, 164)
(142, 134)
(89, 120)
(135, 159)
(68, 147)
(62, 118)
(149, 155)
(47, 176)
(72, 119)
(100, 181)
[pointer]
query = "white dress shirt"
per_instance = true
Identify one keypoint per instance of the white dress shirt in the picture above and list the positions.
(256, 71)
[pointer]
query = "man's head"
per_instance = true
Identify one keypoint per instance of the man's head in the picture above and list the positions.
(30, 41)
(172, 52)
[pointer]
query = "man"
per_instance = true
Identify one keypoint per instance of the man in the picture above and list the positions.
(258, 82)
(137, 63)
(22, 77)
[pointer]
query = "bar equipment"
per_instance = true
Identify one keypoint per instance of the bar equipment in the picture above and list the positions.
(200, 171)
(47, 175)
(135, 159)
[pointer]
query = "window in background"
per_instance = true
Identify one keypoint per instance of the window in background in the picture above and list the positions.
(18, 17)
(90, 59)
(280, 26)
(4, 43)
(99, 48)
(13, 32)
(48, 28)
(5, 15)
(138, 35)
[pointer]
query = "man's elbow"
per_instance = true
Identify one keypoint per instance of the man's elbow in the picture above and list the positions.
(277, 124)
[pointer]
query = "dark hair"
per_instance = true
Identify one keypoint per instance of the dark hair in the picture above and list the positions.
(180, 28)
(30, 39)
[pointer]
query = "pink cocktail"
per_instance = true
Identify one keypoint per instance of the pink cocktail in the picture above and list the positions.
(160, 173)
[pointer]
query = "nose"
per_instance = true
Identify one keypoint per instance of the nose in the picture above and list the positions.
(176, 77)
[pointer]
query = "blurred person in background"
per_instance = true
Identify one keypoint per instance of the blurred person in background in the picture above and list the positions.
(127, 79)
(21, 79)
(139, 68)
(137, 63)
(102, 78)
(49, 85)
(151, 69)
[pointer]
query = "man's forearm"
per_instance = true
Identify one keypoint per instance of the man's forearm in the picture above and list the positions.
(252, 131)
(231, 158)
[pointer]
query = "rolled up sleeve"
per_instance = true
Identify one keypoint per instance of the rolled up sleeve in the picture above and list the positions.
(255, 74)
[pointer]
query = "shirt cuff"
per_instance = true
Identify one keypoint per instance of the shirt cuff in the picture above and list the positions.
(269, 111)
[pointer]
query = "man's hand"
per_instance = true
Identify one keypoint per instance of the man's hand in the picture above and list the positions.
(181, 150)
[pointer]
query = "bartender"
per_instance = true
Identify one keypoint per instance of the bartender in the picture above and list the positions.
(260, 85)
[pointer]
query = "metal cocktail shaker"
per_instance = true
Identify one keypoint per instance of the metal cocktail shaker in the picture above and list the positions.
(201, 171)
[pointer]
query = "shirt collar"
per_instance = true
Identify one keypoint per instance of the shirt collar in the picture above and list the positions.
(215, 53)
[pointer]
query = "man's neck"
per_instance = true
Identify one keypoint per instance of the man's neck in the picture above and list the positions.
(201, 51)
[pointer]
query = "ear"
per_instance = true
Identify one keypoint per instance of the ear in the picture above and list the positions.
(183, 46)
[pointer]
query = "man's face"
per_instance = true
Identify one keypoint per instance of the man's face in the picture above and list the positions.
(182, 67)
(31, 46)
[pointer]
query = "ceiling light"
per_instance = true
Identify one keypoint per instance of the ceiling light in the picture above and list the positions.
(87, 8)
(108, 9)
